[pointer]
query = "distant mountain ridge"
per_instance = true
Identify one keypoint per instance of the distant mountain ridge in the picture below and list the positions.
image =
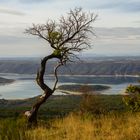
(100, 66)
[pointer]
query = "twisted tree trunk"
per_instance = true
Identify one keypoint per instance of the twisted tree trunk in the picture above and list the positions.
(67, 37)
(32, 114)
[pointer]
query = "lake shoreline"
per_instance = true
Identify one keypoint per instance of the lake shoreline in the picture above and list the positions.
(77, 93)
(78, 89)
(25, 85)
(5, 81)
(84, 75)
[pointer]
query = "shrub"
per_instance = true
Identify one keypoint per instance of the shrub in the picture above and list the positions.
(91, 104)
(132, 100)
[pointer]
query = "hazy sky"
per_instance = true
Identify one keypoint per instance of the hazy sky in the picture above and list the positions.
(117, 26)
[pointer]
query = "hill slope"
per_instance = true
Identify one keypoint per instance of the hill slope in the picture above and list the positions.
(90, 67)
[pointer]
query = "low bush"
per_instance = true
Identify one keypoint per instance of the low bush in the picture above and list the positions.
(132, 100)
(91, 104)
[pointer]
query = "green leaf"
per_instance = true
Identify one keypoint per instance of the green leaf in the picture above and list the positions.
(57, 52)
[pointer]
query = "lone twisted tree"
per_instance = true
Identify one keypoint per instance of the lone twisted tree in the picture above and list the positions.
(66, 37)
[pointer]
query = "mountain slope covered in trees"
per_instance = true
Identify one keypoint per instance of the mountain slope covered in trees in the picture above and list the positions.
(86, 67)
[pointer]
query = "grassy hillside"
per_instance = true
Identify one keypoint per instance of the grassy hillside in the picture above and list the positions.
(75, 127)
(86, 117)
(58, 106)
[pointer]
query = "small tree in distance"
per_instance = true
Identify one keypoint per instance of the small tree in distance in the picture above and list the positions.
(66, 37)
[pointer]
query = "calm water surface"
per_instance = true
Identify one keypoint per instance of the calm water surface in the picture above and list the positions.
(26, 87)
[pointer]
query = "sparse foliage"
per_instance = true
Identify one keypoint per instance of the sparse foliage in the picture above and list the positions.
(132, 100)
(67, 37)
(91, 104)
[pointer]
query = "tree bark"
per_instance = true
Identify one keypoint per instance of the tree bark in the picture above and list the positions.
(32, 114)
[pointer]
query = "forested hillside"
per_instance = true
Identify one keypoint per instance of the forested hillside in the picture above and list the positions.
(87, 67)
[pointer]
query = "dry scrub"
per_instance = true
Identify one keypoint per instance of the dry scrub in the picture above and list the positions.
(112, 127)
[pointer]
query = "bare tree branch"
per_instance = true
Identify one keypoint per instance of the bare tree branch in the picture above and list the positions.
(68, 37)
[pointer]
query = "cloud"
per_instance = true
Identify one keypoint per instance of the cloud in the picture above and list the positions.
(11, 12)
(126, 6)
(119, 13)
(33, 1)
(118, 32)
(136, 21)
(118, 37)
(109, 40)
(123, 5)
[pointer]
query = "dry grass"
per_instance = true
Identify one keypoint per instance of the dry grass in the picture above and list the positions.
(74, 127)
(111, 127)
